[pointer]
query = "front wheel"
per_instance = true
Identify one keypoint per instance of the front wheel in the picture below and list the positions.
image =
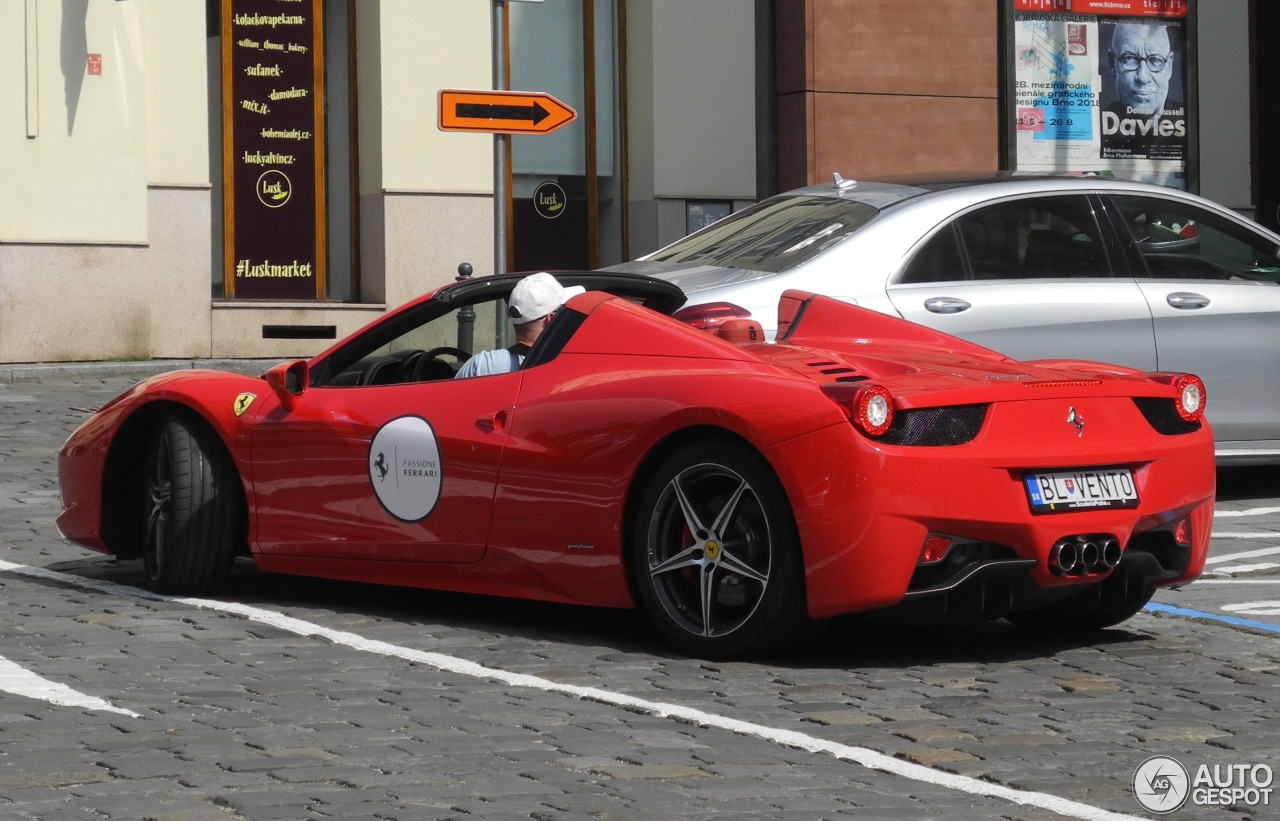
(715, 555)
(193, 505)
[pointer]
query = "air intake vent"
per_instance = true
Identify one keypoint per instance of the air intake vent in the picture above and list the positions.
(842, 373)
(936, 427)
(299, 332)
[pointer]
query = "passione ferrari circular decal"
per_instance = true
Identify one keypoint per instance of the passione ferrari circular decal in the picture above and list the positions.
(404, 468)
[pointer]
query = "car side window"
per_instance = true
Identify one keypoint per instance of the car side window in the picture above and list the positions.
(428, 350)
(774, 235)
(1035, 238)
(941, 259)
(1176, 240)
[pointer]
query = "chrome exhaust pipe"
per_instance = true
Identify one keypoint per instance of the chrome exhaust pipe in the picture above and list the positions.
(1111, 553)
(1089, 556)
(1063, 558)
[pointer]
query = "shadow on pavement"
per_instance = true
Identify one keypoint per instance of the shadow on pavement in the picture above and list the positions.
(848, 642)
(1253, 482)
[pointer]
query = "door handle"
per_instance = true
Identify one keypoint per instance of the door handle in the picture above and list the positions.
(946, 305)
(1186, 300)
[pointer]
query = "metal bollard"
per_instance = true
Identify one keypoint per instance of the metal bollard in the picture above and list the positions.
(467, 315)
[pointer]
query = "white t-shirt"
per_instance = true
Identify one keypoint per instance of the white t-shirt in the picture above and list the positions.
(488, 363)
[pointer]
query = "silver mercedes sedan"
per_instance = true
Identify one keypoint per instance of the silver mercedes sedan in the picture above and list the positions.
(1031, 266)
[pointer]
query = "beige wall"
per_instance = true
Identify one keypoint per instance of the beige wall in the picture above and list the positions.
(426, 196)
(62, 302)
(428, 236)
(104, 215)
(175, 77)
(72, 145)
(422, 51)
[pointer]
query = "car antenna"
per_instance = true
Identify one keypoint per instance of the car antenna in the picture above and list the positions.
(842, 184)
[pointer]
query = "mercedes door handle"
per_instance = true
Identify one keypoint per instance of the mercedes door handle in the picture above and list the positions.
(1186, 300)
(946, 305)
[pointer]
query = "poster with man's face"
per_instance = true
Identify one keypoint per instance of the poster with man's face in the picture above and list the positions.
(1143, 114)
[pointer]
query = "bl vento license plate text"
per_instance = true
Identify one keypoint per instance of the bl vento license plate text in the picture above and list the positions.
(1056, 491)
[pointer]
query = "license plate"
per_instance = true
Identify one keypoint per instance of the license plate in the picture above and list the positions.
(1080, 490)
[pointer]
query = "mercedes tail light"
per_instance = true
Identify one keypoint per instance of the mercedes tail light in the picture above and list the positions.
(711, 315)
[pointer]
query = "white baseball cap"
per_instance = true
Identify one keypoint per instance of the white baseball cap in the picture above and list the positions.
(537, 295)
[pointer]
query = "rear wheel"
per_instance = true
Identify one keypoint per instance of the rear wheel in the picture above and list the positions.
(194, 508)
(715, 556)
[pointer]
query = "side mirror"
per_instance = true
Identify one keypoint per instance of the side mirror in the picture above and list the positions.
(288, 380)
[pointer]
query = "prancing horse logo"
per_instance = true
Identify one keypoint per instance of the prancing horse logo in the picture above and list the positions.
(1076, 420)
(243, 401)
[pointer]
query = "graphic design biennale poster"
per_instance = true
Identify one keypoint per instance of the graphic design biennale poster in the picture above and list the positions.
(1100, 94)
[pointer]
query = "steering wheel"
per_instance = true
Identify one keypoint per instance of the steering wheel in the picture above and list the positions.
(430, 368)
(456, 353)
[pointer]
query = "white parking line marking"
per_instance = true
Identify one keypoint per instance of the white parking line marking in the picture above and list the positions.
(1254, 608)
(1247, 554)
(1262, 534)
(1237, 581)
(1253, 511)
(20, 681)
(1243, 568)
(787, 738)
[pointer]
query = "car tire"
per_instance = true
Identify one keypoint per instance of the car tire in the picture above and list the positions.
(194, 508)
(1063, 621)
(716, 556)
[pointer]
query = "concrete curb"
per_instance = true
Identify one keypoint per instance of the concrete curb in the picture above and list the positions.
(137, 370)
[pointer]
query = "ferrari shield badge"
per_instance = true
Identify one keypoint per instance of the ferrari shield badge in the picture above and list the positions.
(243, 401)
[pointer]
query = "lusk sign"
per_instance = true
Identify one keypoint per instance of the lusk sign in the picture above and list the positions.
(273, 149)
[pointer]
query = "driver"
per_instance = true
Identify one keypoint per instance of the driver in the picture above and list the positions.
(533, 302)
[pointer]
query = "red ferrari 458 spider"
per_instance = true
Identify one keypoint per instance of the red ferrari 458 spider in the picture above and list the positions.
(736, 490)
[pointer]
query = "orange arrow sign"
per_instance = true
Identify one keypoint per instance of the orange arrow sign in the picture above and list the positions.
(502, 112)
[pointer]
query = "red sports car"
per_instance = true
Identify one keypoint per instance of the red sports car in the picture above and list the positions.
(737, 490)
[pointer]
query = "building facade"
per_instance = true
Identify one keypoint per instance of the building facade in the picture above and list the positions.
(255, 178)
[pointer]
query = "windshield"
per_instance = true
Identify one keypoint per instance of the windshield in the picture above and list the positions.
(775, 235)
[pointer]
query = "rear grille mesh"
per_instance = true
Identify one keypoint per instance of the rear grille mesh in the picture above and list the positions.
(936, 427)
(1163, 416)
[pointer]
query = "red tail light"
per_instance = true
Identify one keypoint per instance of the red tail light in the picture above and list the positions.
(935, 548)
(1182, 532)
(873, 410)
(1190, 398)
(711, 315)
